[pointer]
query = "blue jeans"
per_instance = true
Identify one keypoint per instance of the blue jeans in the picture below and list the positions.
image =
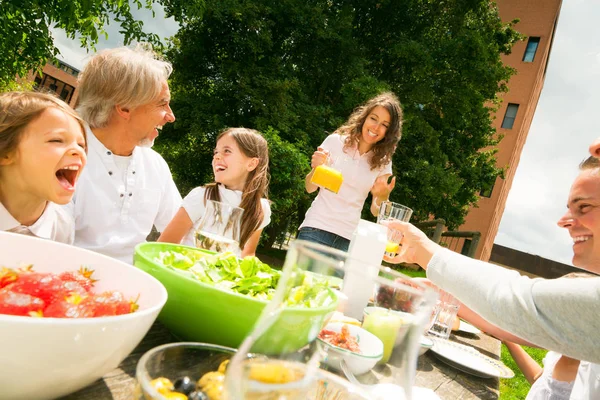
(323, 237)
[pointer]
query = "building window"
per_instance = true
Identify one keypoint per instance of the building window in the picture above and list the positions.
(532, 45)
(509, 117)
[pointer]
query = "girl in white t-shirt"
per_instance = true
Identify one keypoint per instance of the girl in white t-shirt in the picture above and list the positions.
(240, 164)
(362, 151)
(42, 153)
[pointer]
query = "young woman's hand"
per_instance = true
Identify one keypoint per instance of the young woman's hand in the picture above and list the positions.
(381, 188)
(319, 157)
(415, 246)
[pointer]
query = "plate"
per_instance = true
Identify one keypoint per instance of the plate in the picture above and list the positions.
(468, 328)
(469, 360)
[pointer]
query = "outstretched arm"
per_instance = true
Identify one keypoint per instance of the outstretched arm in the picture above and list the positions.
(555, 314)
(530, 368)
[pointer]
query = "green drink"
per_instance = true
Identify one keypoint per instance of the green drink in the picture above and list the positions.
(385, 325)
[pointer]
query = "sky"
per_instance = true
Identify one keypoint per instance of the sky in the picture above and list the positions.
(562, 129)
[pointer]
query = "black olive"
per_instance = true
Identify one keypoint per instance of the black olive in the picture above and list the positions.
(198, 395)
(184, 385)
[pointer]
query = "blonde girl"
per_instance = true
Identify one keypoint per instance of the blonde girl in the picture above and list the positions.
(42, 154)
(240, 166)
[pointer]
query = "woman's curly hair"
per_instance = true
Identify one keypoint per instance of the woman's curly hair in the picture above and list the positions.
(384, 149)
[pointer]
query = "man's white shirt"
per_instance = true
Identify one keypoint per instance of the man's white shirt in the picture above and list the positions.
(114, 210)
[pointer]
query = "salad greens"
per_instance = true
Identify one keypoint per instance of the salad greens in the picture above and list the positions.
(249, 276)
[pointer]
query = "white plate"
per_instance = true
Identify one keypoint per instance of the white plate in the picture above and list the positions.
(469, 359)
(468, 328)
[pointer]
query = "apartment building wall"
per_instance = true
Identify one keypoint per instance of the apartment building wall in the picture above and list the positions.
(538, 19)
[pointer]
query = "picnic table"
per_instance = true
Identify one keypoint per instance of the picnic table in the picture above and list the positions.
(448, 382)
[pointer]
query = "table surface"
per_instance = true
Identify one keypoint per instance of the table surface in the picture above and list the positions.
(446, 381)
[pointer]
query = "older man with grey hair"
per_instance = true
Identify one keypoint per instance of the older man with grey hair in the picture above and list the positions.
(126, 187)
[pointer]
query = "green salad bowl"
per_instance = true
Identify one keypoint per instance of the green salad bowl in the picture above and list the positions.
(196, 311)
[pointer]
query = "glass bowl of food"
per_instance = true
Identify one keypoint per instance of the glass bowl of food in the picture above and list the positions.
(196, 371)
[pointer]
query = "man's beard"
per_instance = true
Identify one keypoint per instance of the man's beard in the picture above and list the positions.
(146, 142)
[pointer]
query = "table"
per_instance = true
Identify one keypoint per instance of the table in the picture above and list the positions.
(447, 382)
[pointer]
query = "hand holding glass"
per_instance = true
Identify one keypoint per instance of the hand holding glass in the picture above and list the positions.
(389, 211)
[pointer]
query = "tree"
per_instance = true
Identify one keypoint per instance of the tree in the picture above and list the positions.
(300, 67)
(25, 25)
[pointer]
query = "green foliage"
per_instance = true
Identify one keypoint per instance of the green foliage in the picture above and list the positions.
(25, 29)
(301, 67)
(517, 387)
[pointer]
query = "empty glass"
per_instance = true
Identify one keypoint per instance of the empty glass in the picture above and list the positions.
(219, 229)
(443, 315)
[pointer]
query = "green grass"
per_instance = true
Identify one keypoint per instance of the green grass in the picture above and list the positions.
(410, 272)
(517, 387)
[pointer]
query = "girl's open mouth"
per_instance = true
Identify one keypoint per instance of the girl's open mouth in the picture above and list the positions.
(67, 176)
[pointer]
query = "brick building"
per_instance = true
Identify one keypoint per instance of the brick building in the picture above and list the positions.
(538, 20)
(60, 78)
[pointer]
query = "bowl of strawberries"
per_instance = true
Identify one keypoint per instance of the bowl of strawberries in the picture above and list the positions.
(67, 315)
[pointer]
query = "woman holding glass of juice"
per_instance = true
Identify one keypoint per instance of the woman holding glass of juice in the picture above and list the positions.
(359, 155)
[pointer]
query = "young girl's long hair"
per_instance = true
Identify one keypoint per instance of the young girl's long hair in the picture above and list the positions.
(253, 145)
(384, 149)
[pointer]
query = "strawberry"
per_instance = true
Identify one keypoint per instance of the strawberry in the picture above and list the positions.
(45, 286)
(83, 277)
(19, 303)
(71, 307)
(111, 303)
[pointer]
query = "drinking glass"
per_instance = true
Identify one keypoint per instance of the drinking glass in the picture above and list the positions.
(401, 310)
(443, 316)
(219, 229)
(390, 211)
(288, 344)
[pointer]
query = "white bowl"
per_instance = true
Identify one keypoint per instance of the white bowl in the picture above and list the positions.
(45, 358)
(371, 350)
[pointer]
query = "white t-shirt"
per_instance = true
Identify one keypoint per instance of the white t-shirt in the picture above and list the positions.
(339, 213)
(112, 214)
(546, 387)
(193, 204)
(54, 224)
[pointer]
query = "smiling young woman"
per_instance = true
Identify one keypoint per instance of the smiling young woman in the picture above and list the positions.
(362, 151)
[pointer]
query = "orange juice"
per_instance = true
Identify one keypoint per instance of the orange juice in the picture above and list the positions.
(328, 178)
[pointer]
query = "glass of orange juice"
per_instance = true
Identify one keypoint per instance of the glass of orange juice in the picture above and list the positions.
(390, 211)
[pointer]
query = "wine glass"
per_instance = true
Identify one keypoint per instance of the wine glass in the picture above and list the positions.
(389, 211)
(219, 229)
(311, 279)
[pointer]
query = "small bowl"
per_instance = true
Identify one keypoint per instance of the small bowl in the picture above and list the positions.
(176, 360)
(371, 348)
(426, 344)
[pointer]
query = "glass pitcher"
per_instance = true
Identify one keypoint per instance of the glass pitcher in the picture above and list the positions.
(327, 177)
(219, 229)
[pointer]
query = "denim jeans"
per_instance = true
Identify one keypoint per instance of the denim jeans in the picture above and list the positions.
(323, 237)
